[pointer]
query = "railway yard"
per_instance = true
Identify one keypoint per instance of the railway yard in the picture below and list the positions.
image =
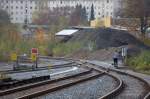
(74, 49)
(61, 78)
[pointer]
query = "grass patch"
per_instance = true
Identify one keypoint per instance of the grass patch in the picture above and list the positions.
(46, 48)
(63, 49)
(140, 62)
(146, 41)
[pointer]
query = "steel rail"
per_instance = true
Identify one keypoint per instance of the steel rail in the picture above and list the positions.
(146, 96)
(40, 68)
(121, 85)
(59, 87)
(32, 85)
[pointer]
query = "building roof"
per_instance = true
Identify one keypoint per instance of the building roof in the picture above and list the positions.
(66, 32)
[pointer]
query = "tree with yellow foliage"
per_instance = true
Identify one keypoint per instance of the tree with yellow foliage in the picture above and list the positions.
(39, 35)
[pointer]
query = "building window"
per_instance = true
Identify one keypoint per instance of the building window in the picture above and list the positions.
(6, 7)
(16, 7)
(21, 7)
(30, 7)
(107, 14)
(107, 1)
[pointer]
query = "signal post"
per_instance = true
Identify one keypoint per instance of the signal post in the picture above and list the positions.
(14, 59)
(34, 57)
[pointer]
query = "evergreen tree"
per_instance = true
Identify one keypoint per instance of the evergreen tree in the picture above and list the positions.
(92, 17)
(84, 14)
(4, 17)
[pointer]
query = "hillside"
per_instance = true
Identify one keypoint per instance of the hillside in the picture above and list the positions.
(106, 41)
(105, 38)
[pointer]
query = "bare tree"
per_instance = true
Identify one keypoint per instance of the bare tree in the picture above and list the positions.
(78, 16)
(137, 9)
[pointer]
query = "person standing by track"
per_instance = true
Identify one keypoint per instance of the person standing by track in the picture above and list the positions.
(115, 58)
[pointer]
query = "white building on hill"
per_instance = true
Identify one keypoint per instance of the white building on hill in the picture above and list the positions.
(19, 10)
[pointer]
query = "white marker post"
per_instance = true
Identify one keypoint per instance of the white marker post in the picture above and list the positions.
(124, 53)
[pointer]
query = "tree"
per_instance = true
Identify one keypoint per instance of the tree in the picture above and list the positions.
(4, 17)
(40, 35)
(138, 9)
(78, 16)
(41, 17)
(92, 17)
(75, 16)
(83, 14)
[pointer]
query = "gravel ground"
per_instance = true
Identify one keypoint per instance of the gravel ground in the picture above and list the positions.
(47, 62)
(43, 87)
(5, 66)
(27, 75)
(88, 90)
(134, 89)
(46, 86)
(43, 62)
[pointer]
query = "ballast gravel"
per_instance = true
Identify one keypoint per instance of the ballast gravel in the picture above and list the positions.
(92, 89)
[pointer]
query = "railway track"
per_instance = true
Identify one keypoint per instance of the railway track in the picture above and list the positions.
(99, 87)
(134, 87)
(47, 66)
(128, 86)
(36, 89)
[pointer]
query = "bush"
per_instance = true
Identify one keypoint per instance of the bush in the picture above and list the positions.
(66, 48)
(140, 62)
(146, 41)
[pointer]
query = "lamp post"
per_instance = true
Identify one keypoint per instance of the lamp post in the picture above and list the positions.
(26, 15)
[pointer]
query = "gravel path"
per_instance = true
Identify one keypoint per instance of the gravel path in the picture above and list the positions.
(88, 90)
